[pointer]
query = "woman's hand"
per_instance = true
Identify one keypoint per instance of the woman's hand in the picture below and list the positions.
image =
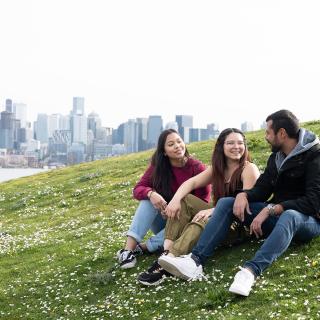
(157, 201)
(173, 209)
(203, 215)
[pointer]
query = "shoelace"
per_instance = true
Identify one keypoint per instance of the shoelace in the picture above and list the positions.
(125, 254)
(199, 276)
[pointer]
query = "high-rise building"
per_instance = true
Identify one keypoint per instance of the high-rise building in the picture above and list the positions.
(118, 134)
(79, 128)
(94, 122)
(129, 136)
(246, 126)
(204, 134)
(155, 126)
(141, 134)
(41, 128)
(60, 143)
(7, 130)
(194, 134)
(172, 125)
(184, 121)
(78, 106)
(64, 122)
(53, 123)
(9, 105)
(213, 130)
(20, 113)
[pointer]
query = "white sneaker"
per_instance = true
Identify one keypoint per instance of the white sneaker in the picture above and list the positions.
(242, 283)
(183, 267)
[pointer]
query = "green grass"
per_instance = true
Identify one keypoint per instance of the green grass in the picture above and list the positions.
(65, 226)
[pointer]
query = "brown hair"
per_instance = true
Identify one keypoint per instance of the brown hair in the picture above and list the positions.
(219, 163)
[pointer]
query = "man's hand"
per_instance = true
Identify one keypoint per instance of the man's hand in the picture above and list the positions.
(257, 222)
(241, 205)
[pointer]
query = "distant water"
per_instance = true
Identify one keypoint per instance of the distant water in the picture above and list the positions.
(9, 174)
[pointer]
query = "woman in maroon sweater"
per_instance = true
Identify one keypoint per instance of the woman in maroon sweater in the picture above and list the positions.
(170, 166)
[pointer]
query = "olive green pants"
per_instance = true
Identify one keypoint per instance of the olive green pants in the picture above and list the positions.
(185, 234)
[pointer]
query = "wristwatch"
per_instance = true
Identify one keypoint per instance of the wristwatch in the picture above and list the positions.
(271, 210)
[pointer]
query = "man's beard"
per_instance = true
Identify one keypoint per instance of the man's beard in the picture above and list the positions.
(275, 148)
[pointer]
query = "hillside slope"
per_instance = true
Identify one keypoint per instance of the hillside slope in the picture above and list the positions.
(65, 226)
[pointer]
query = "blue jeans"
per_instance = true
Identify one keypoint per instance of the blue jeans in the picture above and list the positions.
(278, 230)
(146, 218)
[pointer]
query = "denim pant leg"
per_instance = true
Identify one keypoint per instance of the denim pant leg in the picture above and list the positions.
(290, 224)
(145, 218)
(158, 228)
(216, 229)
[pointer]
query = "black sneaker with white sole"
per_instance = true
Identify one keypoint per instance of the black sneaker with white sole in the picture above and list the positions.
(154, 275)
(126, 258)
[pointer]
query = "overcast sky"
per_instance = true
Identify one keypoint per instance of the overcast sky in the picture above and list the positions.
(220, 61)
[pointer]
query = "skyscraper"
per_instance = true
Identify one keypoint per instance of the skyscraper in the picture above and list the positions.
(94, 123)
(246, 126)
(184, 121)
(41, 128)
(8, 105)
(79, 128)
(20, 113)
(155, 126)
(141, 134)
(129, 136)
(7, 130)
(78, 106)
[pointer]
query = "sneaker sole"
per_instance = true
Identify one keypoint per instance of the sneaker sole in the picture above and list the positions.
(151, 284)
(239, 292)
(128, 265)
(172, 269)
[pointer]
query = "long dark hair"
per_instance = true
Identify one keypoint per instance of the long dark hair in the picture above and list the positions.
(219, 163)
(162, 173)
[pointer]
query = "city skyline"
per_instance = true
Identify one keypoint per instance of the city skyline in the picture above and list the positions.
(224, 62)
(59, 140)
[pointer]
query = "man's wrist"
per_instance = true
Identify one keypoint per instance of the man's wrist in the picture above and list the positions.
(244, 194)
(274, 209)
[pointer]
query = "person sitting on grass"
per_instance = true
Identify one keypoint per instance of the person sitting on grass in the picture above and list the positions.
(230, 171)
(284, 205)
(170, 166)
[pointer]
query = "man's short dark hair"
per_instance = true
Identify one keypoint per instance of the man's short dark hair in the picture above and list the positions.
(287, 120)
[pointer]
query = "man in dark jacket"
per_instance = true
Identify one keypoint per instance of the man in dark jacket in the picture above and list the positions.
(284, 204)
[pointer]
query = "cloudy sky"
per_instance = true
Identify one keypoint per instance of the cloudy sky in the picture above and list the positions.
(220, 61)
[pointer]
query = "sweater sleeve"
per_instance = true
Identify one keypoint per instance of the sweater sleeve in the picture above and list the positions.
(144, 185)
(203, 193)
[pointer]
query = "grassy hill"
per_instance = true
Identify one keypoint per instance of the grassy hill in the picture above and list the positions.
(64, 227)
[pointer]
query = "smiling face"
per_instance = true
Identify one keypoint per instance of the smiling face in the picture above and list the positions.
(174, 148)
(234, 146)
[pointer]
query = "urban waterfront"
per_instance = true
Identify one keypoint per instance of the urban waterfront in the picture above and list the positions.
(9, 173)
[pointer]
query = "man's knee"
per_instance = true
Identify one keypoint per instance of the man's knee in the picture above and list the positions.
(289, 219)
(225, 203)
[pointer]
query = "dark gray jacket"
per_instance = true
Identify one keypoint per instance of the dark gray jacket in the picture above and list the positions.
(292, 181)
